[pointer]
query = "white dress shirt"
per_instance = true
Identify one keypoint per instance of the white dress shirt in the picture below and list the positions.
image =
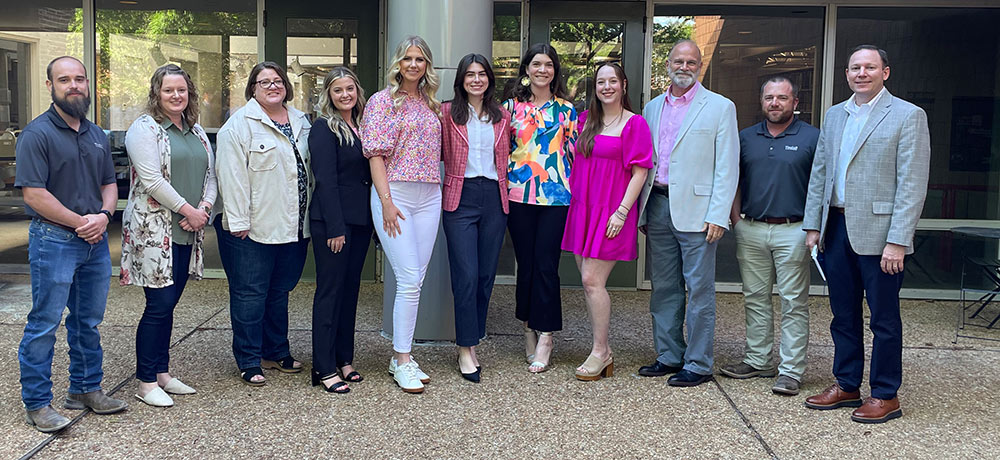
(857, 117)
(481, 141)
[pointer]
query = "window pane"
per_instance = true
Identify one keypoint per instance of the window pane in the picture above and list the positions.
(315, 46)
(581, 47)
(506, 43)
(216, 45)
(960, 99)
(741, 48)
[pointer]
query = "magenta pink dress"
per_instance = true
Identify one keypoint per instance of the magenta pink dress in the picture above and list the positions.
(598, 184)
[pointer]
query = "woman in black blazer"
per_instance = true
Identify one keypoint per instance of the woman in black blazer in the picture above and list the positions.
(341, 226)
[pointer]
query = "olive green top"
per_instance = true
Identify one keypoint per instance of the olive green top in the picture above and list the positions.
(188, 166)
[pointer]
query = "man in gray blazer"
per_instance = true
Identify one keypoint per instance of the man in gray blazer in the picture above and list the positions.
(684, 209)
(866, 192)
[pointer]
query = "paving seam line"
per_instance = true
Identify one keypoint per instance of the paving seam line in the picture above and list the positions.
(746, 421)
(45, 442)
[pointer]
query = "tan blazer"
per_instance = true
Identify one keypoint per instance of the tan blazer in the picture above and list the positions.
(704, 164)
(886, 177)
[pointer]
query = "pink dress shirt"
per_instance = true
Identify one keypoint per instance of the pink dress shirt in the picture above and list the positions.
(674, 110)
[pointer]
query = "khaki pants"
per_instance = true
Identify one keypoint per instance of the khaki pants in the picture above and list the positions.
(765, 250)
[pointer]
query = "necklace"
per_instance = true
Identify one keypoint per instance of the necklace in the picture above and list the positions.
(613, 121)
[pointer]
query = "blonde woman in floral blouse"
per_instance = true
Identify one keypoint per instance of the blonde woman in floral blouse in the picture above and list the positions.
(172, 190)
(401, 134)
(543, 133)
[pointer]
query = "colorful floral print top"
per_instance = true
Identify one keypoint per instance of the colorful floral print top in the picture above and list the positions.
(409, 137)
(542, 146)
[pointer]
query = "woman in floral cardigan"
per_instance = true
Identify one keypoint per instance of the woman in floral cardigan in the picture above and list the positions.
(171, 194)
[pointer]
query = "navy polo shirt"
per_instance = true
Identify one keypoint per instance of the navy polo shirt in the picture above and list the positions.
(71, 165)
(774, 170)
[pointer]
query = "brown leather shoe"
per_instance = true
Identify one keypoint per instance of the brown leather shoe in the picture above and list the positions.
(876, 410)
(834, 397)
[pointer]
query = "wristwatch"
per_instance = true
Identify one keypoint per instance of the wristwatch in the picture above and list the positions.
(207, 209)
(108, 214)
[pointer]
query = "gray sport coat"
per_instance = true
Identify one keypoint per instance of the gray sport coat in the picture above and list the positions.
(886, 177)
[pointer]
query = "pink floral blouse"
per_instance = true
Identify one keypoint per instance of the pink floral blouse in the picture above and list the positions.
(409, 137)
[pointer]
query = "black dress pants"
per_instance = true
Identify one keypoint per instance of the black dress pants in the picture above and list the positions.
(536, 232)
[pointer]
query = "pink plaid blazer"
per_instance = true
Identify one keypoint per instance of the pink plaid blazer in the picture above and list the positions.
(455, 154)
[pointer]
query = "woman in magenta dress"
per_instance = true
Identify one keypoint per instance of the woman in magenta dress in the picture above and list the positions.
(614, 153)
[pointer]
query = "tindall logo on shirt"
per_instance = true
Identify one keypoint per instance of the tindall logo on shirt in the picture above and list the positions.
(792, 147)
(98, 145)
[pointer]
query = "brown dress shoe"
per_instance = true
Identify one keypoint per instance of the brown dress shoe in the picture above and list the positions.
(876, 410)
(834, 397)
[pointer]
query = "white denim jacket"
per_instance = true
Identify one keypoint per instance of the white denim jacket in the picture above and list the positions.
(258, 178)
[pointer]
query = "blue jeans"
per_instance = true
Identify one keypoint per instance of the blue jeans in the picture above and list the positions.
(260, 278)
(152, 337)
(66, 272)
(475, 234)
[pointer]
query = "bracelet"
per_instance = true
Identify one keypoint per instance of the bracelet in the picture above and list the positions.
(207, 209)
(387, 196)
(107, 214)
(621, 216)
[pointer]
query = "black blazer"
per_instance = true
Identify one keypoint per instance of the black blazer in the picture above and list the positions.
(343, 181)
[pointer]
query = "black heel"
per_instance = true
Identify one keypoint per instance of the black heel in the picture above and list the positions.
(472, 376)
(315, 378)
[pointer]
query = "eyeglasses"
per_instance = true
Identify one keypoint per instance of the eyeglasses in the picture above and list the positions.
(264, 84)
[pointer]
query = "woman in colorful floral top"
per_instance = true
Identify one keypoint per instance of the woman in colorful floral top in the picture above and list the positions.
(401, 135)
(543, 133)
(171, 193)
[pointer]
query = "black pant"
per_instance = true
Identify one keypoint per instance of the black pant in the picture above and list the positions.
(475, 235)
(152, 337)
(537, 233)
(338, 278)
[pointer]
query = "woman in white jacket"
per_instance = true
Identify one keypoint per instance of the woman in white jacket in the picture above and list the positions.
(265, 185)
(172, 189)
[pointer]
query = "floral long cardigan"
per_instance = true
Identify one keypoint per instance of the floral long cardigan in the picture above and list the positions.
(146, 223)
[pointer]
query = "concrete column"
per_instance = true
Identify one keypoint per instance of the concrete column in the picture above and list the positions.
(452, 29)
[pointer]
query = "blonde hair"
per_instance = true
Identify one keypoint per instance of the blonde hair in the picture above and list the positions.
(329, 111)
(428, 84)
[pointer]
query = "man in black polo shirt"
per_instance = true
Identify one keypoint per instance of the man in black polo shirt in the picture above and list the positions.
(66, 174)
(775, 160)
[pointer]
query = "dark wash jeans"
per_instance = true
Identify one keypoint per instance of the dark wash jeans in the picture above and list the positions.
(66, 272)
(152, 337)
(260, 278)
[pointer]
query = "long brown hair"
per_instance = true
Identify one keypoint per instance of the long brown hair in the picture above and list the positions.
(522, 92)
(156, 83)
(595, 111)
(460, 104)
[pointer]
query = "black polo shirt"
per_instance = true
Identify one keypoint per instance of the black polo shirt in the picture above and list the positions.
(774, 171)
(71, 165)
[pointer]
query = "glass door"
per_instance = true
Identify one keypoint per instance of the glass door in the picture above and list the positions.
(586, 34)
(310, 41)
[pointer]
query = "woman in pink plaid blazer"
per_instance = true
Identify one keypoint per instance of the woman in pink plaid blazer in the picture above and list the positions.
(475, 147)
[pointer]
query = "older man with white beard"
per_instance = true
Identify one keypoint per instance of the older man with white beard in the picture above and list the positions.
(685, 206)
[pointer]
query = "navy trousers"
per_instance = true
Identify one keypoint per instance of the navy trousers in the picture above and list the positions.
(475, 234)
(851, 276)
(152, 338)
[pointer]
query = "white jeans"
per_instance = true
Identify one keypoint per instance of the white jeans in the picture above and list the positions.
(410, 251)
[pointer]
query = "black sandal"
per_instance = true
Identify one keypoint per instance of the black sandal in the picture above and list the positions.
(285, 365)
(353, 376)
(248, 374)
(339, 387)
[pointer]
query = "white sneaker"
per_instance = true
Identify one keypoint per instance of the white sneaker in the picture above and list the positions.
(424, 378)
(406, 377)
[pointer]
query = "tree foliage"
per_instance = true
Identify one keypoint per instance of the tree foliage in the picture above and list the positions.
(665, 34)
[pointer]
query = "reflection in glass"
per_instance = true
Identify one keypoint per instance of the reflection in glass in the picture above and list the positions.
(741, 48)
(960, 100)
(30, 37)
(315, 46)
(582, 46)
(217, 47)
